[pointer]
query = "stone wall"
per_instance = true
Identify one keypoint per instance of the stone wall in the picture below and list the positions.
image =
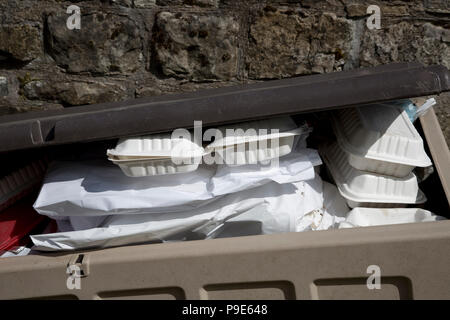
(134, 48)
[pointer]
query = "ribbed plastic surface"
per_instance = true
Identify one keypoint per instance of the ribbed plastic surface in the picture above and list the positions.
(156, 146)
(155, 155)
(16, 184)
(153, 167)
(369, 189)
(380, 139)
(256, 141)
(245, 154)
(244, 132)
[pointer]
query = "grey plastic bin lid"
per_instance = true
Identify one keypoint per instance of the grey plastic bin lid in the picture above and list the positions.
(223, 105)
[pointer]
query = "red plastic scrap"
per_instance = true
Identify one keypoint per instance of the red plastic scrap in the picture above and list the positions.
(16, 223)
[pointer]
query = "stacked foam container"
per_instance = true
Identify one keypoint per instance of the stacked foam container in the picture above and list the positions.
(372, 160)
(167, 154)
(152, 155)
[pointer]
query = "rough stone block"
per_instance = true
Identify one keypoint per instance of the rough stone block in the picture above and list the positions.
(105, 43)
(21, 42)
(198, 47)
(405, 42)
(285, 44)
(74, 92)
(3, 86)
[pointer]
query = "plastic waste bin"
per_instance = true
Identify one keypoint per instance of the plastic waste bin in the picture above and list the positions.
(411, 259)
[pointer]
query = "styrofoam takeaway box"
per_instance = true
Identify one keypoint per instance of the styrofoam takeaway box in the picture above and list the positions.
(380, 139)
(366, 189)
(156, 155)
(256, 141)
(366, 217)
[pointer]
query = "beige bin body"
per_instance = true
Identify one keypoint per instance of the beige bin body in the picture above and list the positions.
(412, 260)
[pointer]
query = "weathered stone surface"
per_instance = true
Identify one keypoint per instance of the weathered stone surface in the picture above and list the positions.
(436, 32)
(437, 6)
(155, 87)
(334, 6)
(169, 2)
(200, 3)
(144, 3)
(333, 36)
(279, 45)
(394, 10)
(285, 44)
(148, 92)
(18, 12)
(443, 114)
(405, 42)
(359, 9)
(125, 3)
(74, 92)
(323, 63)
(356, 9)
(22, 42)
(197, 47)
(106, 43)
(3, 86)
(28, 106)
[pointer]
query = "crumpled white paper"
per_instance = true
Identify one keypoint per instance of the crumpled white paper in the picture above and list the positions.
(296, 166)
(334, 208)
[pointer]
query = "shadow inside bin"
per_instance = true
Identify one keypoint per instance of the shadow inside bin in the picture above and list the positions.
(228, 230)
(240, 229)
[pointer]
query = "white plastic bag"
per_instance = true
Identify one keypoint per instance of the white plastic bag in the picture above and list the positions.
(274, 205)
(18, 251)
(297, 166)
(93, 188)
(271, 208)
(99, 188)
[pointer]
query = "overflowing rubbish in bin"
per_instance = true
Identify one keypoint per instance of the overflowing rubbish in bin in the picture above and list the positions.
(274, 181)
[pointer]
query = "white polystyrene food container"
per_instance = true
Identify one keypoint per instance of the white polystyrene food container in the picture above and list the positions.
(156, 155)
(366, 189)
(155, 146)
(380, 139)
(366, 217)
(153, 167)
(256, 141)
